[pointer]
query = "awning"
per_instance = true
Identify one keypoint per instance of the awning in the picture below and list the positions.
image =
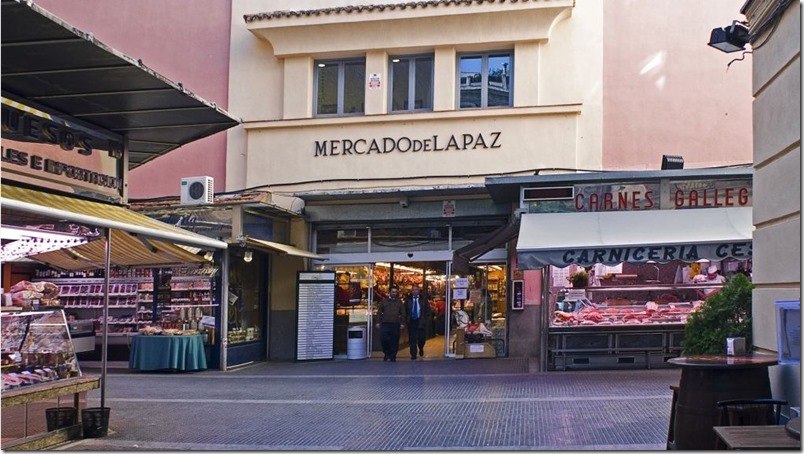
(280, 248)
(612, 237)
(58, 66)
(127, 250)
(498, 237)
(100, 215)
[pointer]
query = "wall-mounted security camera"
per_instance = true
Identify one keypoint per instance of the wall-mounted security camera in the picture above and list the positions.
(403, 202)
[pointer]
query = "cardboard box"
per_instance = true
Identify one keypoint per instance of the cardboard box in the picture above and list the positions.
(479, 350)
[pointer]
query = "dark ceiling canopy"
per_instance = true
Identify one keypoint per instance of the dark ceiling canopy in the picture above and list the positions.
(57, 66)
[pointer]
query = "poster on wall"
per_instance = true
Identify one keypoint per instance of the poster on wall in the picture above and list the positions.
(518, 295)
(315, 306)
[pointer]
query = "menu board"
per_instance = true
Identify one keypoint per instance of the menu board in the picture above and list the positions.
(316, 315)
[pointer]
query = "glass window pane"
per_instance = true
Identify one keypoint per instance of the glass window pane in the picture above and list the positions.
(327, 102)
(399, 92)
(470, 82)
(423, 92)
(354, 91)
(245, 316)
(344, 241)
(499, 85)
(409, 239)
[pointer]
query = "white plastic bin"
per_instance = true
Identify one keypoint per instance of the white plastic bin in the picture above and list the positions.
(356, 342)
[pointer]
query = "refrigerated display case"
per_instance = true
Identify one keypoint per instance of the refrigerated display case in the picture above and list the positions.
(619, 326)
(36, 348)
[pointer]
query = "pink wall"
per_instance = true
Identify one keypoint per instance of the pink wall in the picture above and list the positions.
(668, 92)
(186, 42)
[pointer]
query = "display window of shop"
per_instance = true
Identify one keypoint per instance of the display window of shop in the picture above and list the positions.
(484, 80)
(340, 87)
(247, 296)
(411, 81)
(479, 309)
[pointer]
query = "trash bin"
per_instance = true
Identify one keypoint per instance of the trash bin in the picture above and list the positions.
(95, 422)
(58, 418)
(356, 342)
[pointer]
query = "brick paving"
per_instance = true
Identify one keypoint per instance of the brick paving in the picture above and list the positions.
(358, 405)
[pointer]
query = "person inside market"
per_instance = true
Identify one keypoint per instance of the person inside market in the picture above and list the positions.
(391, 318)
(711, 277)
(419, 315)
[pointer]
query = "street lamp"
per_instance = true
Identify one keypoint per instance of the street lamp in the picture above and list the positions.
(731, 38)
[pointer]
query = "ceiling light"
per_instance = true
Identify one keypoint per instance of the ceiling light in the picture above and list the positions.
(730, 38)
(247, 256)
(208, 256)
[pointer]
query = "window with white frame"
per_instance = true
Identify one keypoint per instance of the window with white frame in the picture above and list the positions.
(340, 87)
(485, 79)
(411, 82)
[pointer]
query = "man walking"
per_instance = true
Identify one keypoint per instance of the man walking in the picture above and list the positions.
(419, 315)
(390, 316)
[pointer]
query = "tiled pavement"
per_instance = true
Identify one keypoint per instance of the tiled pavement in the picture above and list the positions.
(481, 404)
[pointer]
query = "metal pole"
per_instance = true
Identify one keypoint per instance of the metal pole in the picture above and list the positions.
(105, 335)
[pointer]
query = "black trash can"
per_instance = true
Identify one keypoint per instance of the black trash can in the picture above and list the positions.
(95, 422)
(58, 418)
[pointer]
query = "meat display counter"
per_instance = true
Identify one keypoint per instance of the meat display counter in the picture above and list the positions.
(637, 326)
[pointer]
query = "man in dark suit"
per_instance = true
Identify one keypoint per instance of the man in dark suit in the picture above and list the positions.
(419, 315)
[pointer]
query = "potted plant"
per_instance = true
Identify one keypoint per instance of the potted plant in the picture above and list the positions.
(579, 279)
(726, 313)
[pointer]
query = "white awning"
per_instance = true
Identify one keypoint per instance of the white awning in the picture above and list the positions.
(280, 248)
(612, 237)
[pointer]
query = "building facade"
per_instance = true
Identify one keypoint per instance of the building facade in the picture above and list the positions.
(381, 123)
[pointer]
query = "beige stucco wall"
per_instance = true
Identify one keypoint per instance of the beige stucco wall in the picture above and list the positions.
(555, 121)
(777, 178)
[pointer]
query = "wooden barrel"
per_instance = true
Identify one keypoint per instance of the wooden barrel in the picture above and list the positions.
(699, 391)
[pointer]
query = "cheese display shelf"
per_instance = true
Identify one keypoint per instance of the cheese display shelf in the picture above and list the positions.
(632, 326)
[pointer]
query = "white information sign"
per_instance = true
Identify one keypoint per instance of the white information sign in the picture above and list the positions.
(374, 81)
(316, 315)
(461, 282)
(448, 209)
(459, 294)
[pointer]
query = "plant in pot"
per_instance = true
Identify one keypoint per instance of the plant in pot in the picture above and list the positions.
(726, 313)
(579, 279)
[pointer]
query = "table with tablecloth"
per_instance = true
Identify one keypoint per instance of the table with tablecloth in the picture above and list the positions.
(167, 352)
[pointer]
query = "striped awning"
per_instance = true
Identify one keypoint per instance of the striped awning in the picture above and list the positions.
(99, 214)
(127, 250)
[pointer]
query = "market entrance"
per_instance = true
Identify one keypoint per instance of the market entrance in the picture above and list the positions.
(475, 303)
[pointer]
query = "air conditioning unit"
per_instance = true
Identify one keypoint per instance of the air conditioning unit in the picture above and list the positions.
(197, 190)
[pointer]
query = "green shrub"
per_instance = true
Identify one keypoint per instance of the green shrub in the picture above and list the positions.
(726, 313)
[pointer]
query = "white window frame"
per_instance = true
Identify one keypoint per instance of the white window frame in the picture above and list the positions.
(411, 76)
(341, 81)
(484, 76)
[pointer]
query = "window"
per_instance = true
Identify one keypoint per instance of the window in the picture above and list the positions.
(411, 83)
(340, 87)
(485, 80)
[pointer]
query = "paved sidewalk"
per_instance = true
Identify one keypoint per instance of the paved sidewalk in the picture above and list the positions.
(356, 405)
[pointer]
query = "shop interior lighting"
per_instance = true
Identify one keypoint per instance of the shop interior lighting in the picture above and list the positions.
(248, 256)
(731, 38)
(208, 255)
(670, 162)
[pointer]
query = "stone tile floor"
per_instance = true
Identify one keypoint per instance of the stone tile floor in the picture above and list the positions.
(359, 405)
